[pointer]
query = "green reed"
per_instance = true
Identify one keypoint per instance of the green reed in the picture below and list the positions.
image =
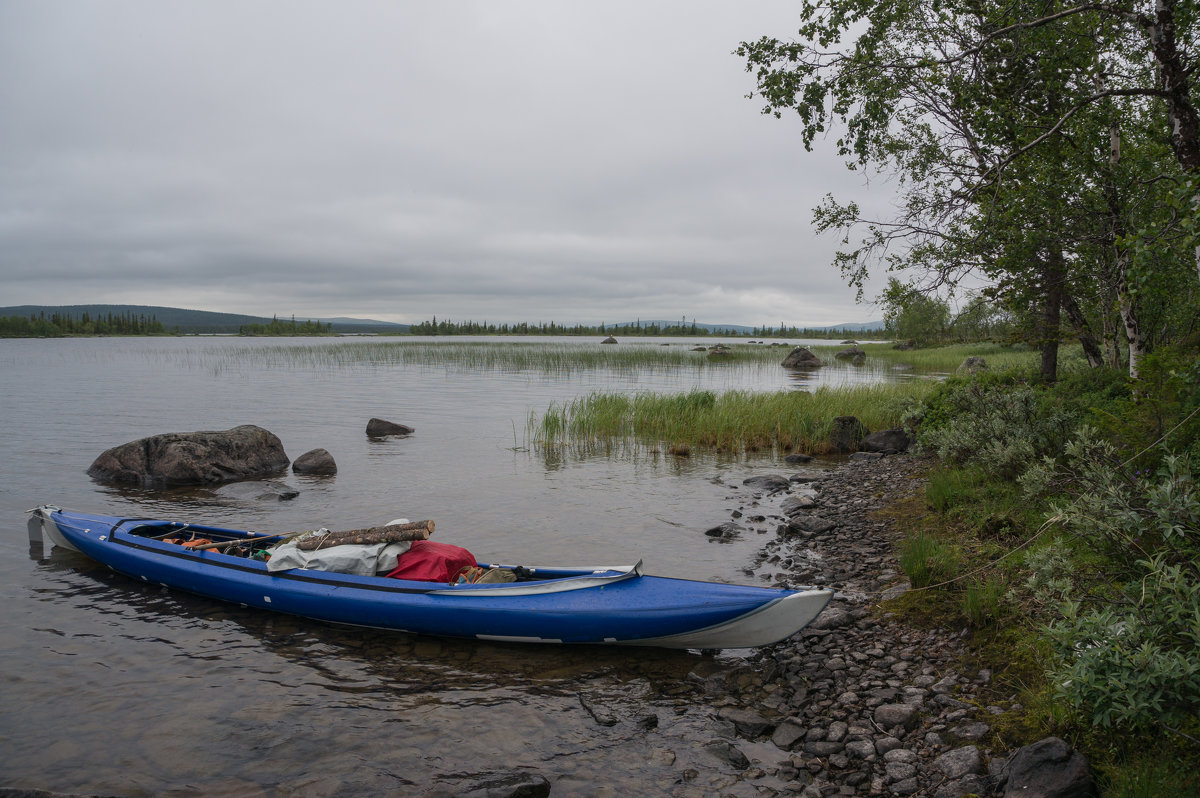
(731, 421)
(517, 355)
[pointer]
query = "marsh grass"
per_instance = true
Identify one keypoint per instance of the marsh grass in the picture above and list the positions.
(558, 358)
(947, 359)
(731, 421)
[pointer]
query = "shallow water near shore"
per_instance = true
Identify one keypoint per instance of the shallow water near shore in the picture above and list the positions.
(117, 687)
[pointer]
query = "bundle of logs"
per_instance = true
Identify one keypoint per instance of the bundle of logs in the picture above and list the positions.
(391, 533)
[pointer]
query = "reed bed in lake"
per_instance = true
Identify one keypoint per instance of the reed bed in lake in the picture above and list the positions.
(530, 356)
(731, 421)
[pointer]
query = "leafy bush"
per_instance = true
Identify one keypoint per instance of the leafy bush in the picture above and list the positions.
(1129, 658)
(1000, 426)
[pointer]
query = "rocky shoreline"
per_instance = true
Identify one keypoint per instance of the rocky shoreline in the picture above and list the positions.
(861, 703)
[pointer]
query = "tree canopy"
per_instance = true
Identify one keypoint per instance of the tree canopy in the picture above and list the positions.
(1049, 148)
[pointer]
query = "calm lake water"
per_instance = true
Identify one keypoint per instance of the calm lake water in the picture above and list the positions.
(111, 686)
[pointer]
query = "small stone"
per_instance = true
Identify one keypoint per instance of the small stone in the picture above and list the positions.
(885, 744)
(888, 716)
(971, 731)
(899, 771)
(863, 749)
(901, 755)
(960, 762)
(749, 724)
(787, 734)
(727, 752)
(823, 748)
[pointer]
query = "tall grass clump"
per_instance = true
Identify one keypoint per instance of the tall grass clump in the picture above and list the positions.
(983, 601)
(732, 421)
(927, 561)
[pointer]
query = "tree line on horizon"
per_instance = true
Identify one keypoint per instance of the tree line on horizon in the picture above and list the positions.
(635, 329)
(58, 325)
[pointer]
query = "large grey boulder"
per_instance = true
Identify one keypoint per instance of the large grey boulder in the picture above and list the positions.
(972, 365)
(854, 354)
(192, 458)
(888, 441)
(1048, 769)
(801, 358)
(846, 435)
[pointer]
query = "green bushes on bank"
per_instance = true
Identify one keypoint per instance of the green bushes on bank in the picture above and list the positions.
(1077, 505)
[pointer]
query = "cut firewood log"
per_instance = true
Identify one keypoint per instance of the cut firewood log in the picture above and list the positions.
(392, 533)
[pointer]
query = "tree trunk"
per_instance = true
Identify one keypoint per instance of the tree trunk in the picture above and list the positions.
(1173, 80)
(1091, 347)
(1133, 328)
(1052, 287)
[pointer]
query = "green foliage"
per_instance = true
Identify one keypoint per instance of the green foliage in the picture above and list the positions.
(637, 329)
(993, 423)
(1134, 664)
(733, 421)
(1128, 656)
(914, 315)
(1151, 776)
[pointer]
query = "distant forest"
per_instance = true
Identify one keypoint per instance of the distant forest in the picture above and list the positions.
(58, 325)
(682, 329)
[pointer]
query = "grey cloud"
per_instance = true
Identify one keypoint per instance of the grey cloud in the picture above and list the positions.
(514, 161)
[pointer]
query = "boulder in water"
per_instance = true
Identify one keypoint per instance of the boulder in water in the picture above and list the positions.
(192, 458)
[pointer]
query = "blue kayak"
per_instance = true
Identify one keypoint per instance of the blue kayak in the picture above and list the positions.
(606, 605)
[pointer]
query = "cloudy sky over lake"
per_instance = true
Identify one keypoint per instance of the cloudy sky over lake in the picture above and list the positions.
(509, 161)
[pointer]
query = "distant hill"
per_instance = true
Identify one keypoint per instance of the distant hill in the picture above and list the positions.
(196, 322)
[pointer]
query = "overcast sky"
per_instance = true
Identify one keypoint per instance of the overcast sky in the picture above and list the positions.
(509, 161)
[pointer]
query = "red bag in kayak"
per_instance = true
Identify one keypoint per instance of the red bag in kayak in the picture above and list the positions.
(428, 561)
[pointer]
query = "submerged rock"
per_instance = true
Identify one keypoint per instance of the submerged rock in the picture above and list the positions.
(379, 428)
(257, 491)
(192, 458)
(318, 462)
